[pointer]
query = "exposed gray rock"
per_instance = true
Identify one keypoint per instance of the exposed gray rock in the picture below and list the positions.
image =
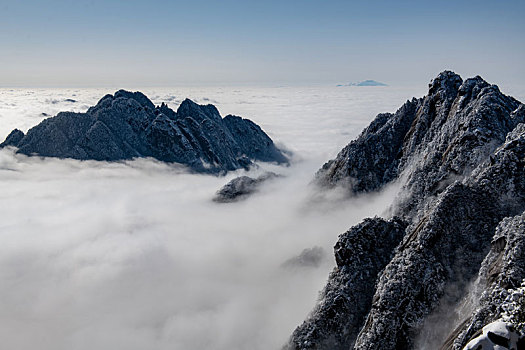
(309, 257)
(241, 187)
(502, 272)
(444, 250)
(127, 125)
(252, 140)
(360, 253)
(372, 160)
(432, 141)
(13, 138)
(460, 154)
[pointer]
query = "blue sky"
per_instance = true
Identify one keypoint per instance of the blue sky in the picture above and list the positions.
(202, 42)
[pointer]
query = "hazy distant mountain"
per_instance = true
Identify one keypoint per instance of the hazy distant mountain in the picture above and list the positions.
(451, 259)
(127, 125)
(365, 83)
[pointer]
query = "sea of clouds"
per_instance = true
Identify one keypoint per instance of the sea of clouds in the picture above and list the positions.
(135, 255)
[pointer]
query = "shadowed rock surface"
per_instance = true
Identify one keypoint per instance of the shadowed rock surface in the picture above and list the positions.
(498, 286)
(459, 153)
(360, 253)
(127, 125)
(241, 187)
(444, 250)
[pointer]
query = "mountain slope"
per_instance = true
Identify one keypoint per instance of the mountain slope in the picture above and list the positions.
(460, 154)
(432, 141)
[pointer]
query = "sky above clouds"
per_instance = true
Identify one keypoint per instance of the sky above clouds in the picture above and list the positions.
(204, 42)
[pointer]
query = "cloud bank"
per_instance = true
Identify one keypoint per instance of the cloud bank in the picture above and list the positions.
(135, 255)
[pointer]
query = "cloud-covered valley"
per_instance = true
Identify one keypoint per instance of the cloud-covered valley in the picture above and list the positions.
(136, 255)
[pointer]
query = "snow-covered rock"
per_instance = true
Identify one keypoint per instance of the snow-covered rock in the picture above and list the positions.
(497, 335)
(360, 253)
(432, 141)
(127, 125)
(459, 153)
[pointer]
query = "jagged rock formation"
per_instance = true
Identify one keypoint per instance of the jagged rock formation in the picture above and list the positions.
(127, 125)
(241, 187)
(360, 253)
(460, 154)
(433, 140)
(372, 160)
(444, 251)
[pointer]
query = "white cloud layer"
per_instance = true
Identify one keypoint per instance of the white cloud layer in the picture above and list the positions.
(135, 255)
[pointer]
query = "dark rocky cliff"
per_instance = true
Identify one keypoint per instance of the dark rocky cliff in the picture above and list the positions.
(127, 125)
(459, 153)
(432, 141)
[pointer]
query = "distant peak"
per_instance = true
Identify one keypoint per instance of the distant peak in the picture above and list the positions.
(366, 83)
(370, 83)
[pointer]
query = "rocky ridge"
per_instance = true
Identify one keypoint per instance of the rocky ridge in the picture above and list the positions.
(460, 155)
(128, 125)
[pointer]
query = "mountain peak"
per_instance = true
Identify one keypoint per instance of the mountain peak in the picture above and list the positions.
(127, 125)
(13, 138)
(447, 82)
(188, 108)
(368, 82)
(459, 156)
(473, 86)
(137, 96)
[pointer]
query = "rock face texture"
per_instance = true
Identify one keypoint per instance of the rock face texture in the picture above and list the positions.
(361, 253)
(433, 140)
(127, 125)
(460, 155)
(241, 187)
(497, 292)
